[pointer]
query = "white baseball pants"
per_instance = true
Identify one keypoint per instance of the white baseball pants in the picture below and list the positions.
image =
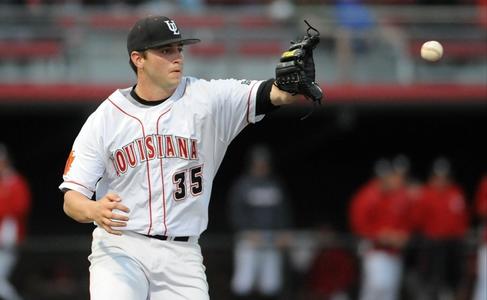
(481, 284)
(381, 276)
(136, 267)
(7, 262)
(254, 265)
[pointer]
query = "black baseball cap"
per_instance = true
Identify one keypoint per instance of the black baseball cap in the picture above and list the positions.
(153, 32)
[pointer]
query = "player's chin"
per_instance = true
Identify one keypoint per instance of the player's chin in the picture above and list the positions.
(175, 75)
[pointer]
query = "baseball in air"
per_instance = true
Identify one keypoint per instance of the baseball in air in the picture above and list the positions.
(431, 51)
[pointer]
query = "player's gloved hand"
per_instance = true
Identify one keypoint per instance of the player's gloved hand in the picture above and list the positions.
(295, 72)
(309, 65)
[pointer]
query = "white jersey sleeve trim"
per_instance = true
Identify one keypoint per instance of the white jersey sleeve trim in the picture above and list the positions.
(251, 104)
(71, 185)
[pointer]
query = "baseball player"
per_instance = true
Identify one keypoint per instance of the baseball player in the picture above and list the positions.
(380, 213)
(15, 199)
(441, 217)
(260, 213)
(149, 154)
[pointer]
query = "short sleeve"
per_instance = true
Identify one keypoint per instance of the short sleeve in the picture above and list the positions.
(234, 106)
(85, 164)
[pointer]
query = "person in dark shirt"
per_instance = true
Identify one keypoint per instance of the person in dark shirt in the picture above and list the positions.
(259, 214)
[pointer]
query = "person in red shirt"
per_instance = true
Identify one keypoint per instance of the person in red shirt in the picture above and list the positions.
(442, 222)
(481, 211)
(333, 271)
(14, 206)
(380, 214)
(332, 274)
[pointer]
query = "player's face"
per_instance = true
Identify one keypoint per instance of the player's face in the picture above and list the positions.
(260, 168)
(393, 181)
(440, 181)
(164, 66)
(3, 165)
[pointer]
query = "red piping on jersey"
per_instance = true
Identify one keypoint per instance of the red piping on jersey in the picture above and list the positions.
(70, 181)
(162, 176)
(115, 167)
(248, 103)
(146, 162)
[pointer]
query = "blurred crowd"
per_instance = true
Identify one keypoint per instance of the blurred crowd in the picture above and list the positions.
(410, 238)
(394, 215)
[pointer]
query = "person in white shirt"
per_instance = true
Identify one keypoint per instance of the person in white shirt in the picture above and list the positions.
(149, 153)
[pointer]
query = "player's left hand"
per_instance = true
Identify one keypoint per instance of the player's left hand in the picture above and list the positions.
(103, 215)
(295, 72)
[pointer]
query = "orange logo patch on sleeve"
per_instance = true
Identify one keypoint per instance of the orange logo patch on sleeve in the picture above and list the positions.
(69, 162)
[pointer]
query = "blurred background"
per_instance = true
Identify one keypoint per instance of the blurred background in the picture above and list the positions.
(388, 176)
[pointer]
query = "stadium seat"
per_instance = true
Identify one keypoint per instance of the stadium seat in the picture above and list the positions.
(260, 48)
(25, 49)
(208, 49)
(112, 21)
(255, 22)
(198, 22)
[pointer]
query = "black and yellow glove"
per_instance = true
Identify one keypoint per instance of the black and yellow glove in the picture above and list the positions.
(295, 72)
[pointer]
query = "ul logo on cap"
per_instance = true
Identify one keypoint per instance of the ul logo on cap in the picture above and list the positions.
(172, 26)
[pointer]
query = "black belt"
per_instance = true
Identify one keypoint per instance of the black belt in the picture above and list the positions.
(171, 238)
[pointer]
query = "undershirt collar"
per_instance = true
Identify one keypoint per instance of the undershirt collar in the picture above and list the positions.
(143, 101)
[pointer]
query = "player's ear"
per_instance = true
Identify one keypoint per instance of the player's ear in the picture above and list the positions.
(137, 58)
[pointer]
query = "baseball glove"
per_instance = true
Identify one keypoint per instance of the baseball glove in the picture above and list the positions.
(295, 72)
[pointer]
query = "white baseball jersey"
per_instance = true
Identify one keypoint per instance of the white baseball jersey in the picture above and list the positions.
(161, 160)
